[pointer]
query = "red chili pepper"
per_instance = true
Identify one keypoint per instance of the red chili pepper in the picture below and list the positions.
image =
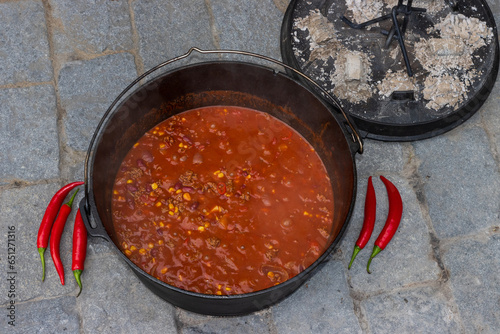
(221, 188)
(79, 248)
(392, 222)
(369, 220)
(55, 236)
(48, 220)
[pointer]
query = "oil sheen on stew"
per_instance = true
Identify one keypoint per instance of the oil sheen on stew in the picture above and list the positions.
(222, 200)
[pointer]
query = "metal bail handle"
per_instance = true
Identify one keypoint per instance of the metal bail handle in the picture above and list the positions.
(355, 136)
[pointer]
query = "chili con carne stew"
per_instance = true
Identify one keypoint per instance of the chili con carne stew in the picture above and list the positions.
(222, 200)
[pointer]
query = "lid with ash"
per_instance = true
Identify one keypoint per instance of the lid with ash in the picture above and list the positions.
(403, 70)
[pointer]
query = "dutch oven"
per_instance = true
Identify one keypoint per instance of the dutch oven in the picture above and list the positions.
(220, 82)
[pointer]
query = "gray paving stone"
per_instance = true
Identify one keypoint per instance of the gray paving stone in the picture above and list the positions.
(282, 5)
(76, 168)
(115, 301)
(87, 88)
(495, 8)
(461, 181)
(58, 315)
(169, 29)
(28, 133)
(98, 246)
(24, 208)
(421, 310)
(489, 113)
(408, 256)
(322, 305)
(249, 26)
(24, 48)
(379, 157)
(103, 26)
(191, 323)
(474, 266)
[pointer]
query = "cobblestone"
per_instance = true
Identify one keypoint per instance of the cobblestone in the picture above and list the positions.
(28, 133)
(82, 29)
(477, 178)
(170, 29)
(62, 64)
(474, 268)
(114, 300)
(420, 310)
(191, 323)
(55, 315)
(331, 311)
(87, 88)
(384, 157)
(238, 30)
(24, 48)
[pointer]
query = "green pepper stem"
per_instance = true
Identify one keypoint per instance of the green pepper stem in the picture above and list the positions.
(354, 253)
(41, 251)
(77, 274)
(70, 203)
(376, 250)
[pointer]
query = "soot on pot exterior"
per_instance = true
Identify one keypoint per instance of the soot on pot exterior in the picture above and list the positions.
(210, 84)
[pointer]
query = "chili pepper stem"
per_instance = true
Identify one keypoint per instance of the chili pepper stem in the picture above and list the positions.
(77, 274)
(70, 202)
(376, 250)
(41, 251)
(354, 253)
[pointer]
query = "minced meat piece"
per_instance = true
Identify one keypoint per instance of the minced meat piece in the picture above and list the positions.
(272, 253)
(213, 241)
(211, 186)
(189, 178)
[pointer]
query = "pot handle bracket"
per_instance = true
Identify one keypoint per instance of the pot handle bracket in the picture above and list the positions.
(98, 230)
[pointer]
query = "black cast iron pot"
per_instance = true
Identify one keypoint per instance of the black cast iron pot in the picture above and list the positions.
(219, 83)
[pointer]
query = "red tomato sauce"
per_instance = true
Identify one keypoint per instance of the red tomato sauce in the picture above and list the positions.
(222, 200)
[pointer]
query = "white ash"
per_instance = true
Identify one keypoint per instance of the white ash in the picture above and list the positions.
(322, 35)
(445, 90)
(352, 68)
(362, 10)
(440, 55)
(351, 77)
(432, 6)
(396, 81)
(474, 32)
(447, 57)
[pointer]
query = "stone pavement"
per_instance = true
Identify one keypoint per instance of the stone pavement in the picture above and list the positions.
(61, 65)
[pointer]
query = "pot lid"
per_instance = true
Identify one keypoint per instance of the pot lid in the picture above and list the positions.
(423, 84)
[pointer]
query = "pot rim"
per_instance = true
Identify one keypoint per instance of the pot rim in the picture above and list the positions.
(349, 125)
(88, 203)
